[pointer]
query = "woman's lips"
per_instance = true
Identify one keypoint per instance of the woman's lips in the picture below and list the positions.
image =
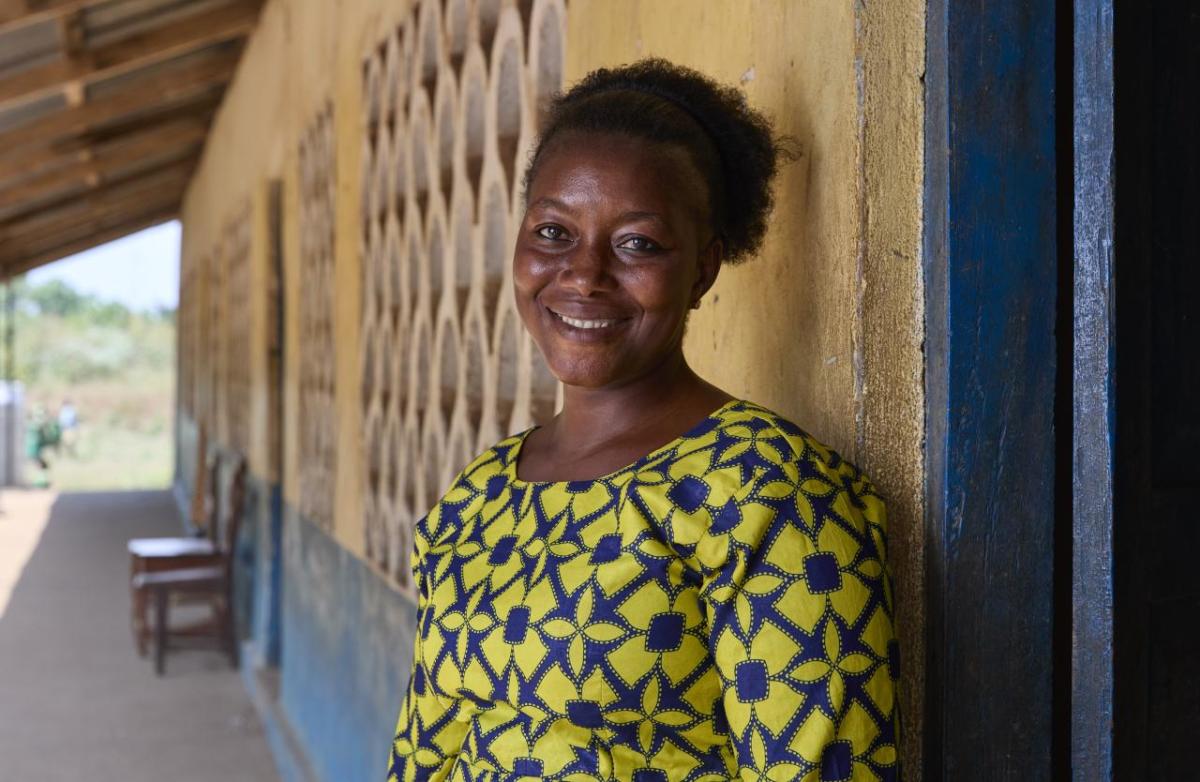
(587, 324)
(591, 325)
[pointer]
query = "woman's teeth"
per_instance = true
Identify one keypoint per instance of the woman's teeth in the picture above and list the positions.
(586, 324)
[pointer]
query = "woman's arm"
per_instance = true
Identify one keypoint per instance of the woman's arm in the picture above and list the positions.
(429, 734)
(800, 617)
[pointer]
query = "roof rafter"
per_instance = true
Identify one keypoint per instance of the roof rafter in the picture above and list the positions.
(169, 141)
(155, 215)
(175, 85)
(41, 161)
(232, 20)
(17, 235)
(19, 13)
(104, 109)
(149, 199)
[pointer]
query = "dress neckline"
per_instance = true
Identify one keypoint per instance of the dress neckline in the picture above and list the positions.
(700, 427)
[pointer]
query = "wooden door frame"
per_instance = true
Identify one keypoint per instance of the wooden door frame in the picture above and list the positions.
(991, 296)
(1093, 391)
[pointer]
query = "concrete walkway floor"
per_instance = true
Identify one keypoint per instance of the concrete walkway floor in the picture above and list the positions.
(76, 702)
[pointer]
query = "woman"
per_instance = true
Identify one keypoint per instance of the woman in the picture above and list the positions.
(664, 582)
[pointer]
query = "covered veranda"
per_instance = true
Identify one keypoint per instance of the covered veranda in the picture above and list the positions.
(77, 702)
(104, 109)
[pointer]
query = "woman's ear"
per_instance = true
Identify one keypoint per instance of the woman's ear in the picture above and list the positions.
(709, 265)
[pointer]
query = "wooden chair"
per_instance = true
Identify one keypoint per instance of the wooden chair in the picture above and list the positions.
(149, 555)
(213, 581)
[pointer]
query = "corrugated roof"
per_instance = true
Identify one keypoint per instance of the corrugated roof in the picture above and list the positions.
(104, 106)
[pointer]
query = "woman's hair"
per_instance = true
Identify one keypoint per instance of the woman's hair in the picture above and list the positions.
(732, 146)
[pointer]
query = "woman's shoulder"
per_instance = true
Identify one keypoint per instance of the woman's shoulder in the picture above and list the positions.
(767, 443)
(489, 467)
(483, 479)
(746, 473)
(815, 470)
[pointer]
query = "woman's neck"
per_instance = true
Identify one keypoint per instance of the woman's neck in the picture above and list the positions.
(593, 416)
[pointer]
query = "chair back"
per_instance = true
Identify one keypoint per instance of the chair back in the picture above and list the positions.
(211, 519)
(235, 507)
(201, 479)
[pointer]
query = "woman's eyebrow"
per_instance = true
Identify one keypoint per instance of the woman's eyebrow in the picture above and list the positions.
(641, 215)
(546, 202)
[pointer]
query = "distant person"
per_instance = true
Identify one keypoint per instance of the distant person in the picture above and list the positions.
(68, 427)
(40, 434)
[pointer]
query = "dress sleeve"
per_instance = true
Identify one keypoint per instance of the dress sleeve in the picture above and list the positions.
(800, 622)
(429, 734)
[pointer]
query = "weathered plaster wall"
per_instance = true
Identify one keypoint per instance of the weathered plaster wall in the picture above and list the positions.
(890, 420)
(302, 56)
(826, 325)
(346, 633)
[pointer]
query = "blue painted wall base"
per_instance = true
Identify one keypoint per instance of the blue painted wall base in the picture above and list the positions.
(262, 686)
(347, 643)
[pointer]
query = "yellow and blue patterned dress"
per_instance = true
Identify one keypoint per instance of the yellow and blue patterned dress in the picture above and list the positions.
(717, 610)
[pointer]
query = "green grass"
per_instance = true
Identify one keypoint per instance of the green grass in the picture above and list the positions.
(118, 370)
(124, 438)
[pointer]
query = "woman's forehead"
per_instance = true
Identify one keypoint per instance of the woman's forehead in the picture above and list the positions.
(638, 174)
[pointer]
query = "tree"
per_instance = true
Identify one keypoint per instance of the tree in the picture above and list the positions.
(57, 298)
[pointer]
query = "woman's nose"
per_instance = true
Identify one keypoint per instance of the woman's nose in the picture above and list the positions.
(588, 267)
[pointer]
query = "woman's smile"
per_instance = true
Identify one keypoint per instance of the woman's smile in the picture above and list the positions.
(584, 322)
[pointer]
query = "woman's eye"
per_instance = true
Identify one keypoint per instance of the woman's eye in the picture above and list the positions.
(552, 232)
(638, 243)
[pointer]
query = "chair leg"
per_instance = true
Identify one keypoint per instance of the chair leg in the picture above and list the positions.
(228, 635)
(138, 608)
(160, 630)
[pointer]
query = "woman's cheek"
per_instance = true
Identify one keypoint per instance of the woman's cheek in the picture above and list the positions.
(657, 291)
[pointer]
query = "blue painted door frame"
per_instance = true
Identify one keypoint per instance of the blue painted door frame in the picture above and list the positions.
(1021, 406)
(1093, 394)
(992, 212)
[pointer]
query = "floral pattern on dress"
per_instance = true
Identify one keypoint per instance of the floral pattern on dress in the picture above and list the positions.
(719, 609)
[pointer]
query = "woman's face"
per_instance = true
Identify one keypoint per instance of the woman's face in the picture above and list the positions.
(614, 249)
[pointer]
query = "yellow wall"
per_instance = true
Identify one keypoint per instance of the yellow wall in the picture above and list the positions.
(825, 327)
(302, 55)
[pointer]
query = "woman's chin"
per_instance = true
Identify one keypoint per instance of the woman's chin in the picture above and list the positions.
(584, 373)
(581, 378)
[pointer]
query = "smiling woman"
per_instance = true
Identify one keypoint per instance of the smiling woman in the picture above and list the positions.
(664, 582)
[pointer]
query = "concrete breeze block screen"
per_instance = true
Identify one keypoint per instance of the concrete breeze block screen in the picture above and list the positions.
(214, 330)
(318, 414)
(451, 102)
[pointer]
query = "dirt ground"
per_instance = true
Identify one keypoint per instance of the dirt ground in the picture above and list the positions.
(76, 702)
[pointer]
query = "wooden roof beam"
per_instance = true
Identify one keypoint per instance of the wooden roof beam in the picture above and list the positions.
(42, 160)
(94, 204)
(115, 161)
(19, 13)
(233, 20)
(89, 233)
(72, 37)
(174, 85)
(151, 200)
(155, 215)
